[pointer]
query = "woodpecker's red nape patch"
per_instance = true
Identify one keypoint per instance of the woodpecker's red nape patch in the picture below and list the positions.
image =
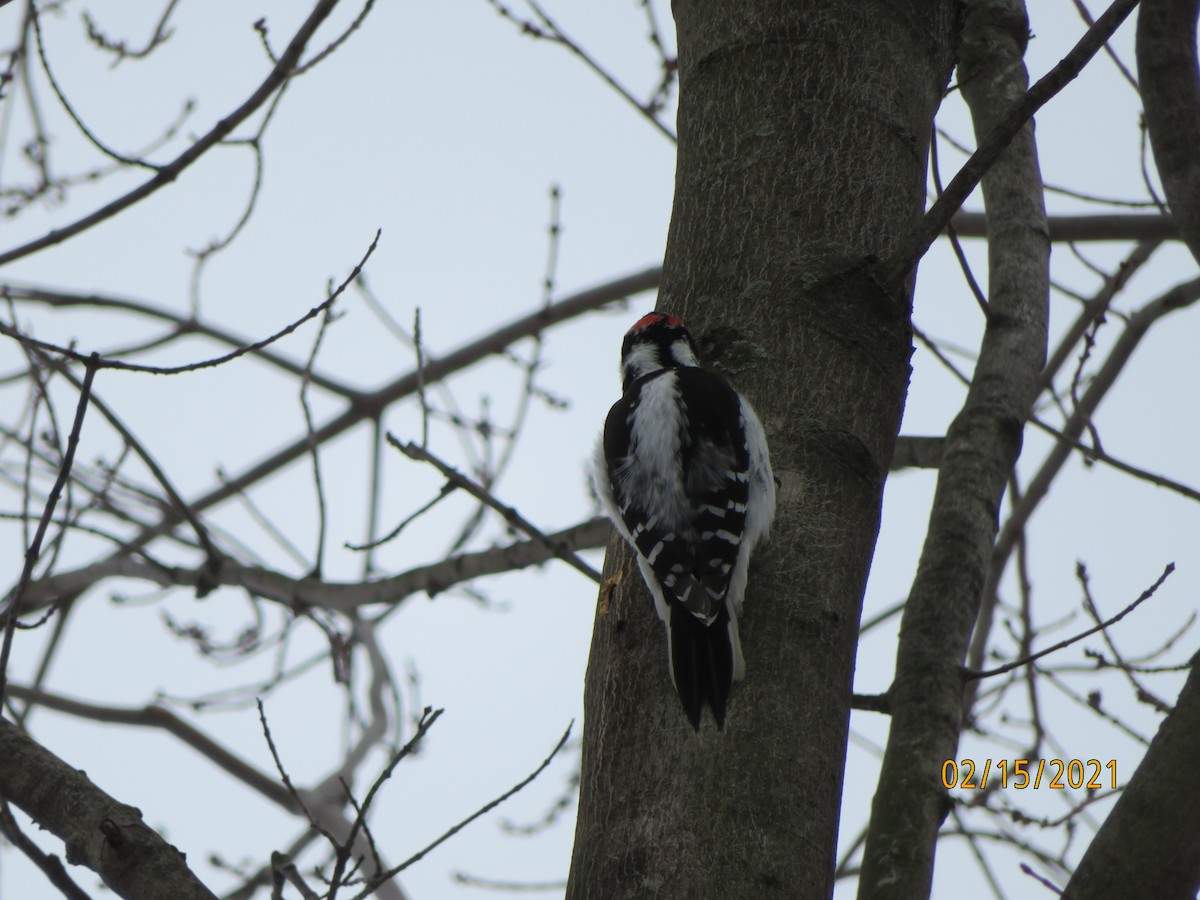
(656, 318)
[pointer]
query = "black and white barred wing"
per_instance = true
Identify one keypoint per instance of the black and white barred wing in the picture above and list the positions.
(683, 504)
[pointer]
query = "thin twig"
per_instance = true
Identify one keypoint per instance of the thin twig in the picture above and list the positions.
(287, 781)
(169, 172)
(178, 503)
(157, 717)
(516, 887)
(1142, 692)
(1093, 702)
(1046, 882)
(421, 377)
(273, 531)
(1086, 15)
(547, 29)
(215, 246)
(980, 857)
(338, 41)
(447, 489)
(314, 450)
(120, 49)
(1096, 454)
(50, 864)
(1095, 307)
(514, 518)
(952, 233)
(283, 869)
(208, 363)
(428, 717)
(375, 883)
(35, 548)
(1018, 663)
(997, 141)
(70, 110)
(181, 327)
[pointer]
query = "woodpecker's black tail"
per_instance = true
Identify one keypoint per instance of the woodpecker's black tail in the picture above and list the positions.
(701, 662)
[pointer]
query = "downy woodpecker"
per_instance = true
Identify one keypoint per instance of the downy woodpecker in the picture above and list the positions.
(682, 470)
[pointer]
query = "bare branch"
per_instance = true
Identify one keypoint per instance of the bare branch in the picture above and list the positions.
(181, 327)
(314, 450)
(70, 110)
(369, 406)
(172, 170)
(952, 233)
(317, 310)
(304, 593)
(516, 887)
(428, 717)
(50, 864)
(1001, 134)
(915, 452)
(880, 703)
(547, 29)
(1094, 309)
(337, 42)
(981, 449)
(1179, 297)
(157, 717)
(483, 810)
(119, 48)
(17, 597)
(284, 869)
(514, 518)
(1086, 228)
(101, 833)
(1102, 626)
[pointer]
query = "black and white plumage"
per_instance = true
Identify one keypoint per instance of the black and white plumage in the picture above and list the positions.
(683, 471)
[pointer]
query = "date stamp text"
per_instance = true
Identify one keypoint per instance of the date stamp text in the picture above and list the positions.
(1020, 774)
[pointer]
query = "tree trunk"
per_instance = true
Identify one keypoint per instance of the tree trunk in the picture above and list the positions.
(981, 449)
(1149, 846)
(803, 135)
(1170, 87)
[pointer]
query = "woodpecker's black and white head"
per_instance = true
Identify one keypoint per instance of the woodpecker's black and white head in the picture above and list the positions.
(656, 341)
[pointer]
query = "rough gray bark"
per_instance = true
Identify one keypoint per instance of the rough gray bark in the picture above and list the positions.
(803, 132)
(108, 837)
(980, 451)
(1170, 87)
(1149, 846)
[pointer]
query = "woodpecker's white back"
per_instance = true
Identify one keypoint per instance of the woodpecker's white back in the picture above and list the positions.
(682, 469)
